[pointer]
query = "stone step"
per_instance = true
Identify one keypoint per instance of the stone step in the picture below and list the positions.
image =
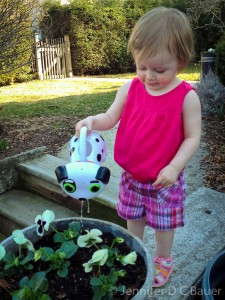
(38, 175)
(18, 209)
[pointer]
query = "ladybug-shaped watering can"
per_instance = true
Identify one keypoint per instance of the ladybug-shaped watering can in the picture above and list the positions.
(84, 177)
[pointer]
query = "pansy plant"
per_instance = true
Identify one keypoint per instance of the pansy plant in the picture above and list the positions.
(13, 262)
(102, 285)
(59, 259)
(20, 239)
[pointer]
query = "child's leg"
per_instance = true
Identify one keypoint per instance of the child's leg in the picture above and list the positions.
(163, 261)
(137, 227)
(164, 242)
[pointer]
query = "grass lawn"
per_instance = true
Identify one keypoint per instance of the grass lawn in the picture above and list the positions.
(191, 73)
(66, 96)
(56, 97)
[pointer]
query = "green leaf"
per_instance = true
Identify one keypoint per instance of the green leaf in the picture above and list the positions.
(95, 281)
(58, 237)
(75, 227)
(29, 267)
(97, 295)
(47, 253)
(39, 282)
(62, 272)
(10, 255)
(69, 248)
(15, 295)
(27, 258)
(113, 277)
(24, 281)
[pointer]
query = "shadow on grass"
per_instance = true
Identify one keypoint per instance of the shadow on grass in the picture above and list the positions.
(78, 105)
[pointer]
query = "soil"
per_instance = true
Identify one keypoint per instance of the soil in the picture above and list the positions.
(214, 163)
(76, 284)
(29, 133)
(55, 131)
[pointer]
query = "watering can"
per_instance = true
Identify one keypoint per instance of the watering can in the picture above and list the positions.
(83, 177)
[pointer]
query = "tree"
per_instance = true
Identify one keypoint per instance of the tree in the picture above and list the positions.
(17, 17)
(207, 19)
(212, 9)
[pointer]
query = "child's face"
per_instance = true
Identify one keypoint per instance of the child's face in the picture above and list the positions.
(157, 72)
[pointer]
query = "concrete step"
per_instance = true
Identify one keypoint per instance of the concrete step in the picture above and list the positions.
(38, 175)
(18, 209)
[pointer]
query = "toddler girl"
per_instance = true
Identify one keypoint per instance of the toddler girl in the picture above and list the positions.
(158, 133)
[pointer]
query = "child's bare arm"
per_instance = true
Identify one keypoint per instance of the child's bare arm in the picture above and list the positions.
(107, 120)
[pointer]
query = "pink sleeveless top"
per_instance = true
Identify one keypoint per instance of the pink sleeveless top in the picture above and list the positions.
(150, 130)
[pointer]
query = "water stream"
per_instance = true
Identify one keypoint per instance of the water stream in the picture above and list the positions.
(82, 210)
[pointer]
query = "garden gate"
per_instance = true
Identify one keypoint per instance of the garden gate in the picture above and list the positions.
(53, 58)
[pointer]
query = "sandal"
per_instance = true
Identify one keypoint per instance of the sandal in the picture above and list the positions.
(163, 270)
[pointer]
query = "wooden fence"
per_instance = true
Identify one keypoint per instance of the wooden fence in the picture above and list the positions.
(53, 58)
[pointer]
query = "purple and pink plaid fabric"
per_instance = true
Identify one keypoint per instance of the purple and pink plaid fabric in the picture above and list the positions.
(163, 208)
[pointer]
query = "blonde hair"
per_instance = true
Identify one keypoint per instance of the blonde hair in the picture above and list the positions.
(163, 29)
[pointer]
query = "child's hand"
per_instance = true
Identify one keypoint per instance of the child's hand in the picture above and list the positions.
(88, 122)
(167, 176)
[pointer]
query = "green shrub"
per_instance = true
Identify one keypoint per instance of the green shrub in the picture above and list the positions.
(220, 59)
(100, 39)
(22, 74)
(16, 38)
(98, 32)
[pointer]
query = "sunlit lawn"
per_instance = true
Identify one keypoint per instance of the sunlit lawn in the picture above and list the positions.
(66, 96)
(191, 73)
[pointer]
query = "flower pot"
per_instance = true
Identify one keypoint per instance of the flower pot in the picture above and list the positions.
(213, 280)
(87, 223)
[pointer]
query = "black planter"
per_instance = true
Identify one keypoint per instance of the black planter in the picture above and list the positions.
(208, 60)
(213, 282)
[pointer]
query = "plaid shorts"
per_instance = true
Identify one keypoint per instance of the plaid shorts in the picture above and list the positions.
(162, 207)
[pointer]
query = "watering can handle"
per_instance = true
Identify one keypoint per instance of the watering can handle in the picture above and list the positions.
(83, 146)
